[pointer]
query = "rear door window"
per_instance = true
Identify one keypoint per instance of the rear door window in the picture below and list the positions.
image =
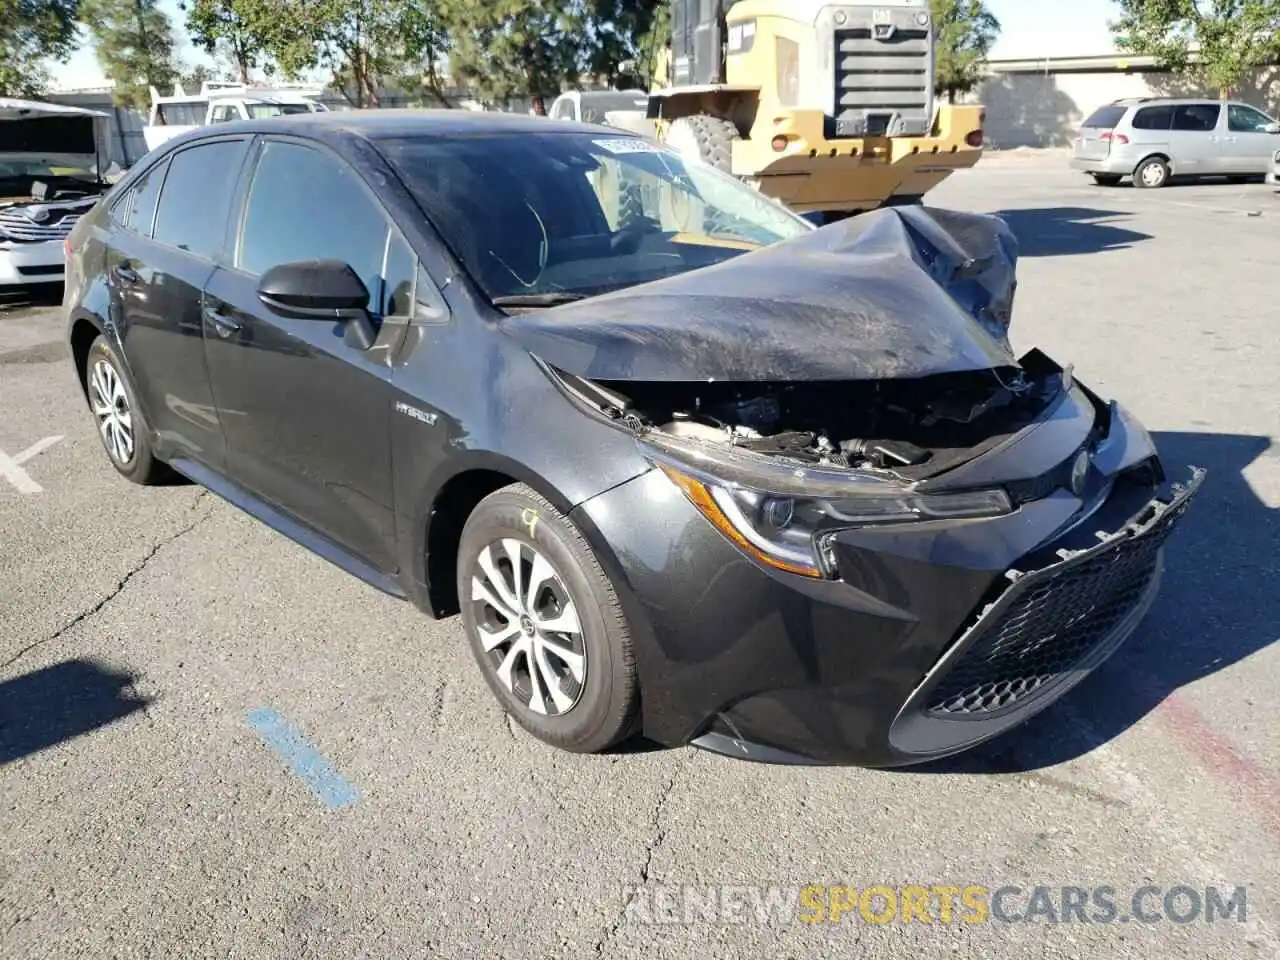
(1153, 118)
(1196, 117)
(192, 213)
(1105, 118)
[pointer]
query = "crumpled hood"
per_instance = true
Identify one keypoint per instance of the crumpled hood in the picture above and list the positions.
(900, 292)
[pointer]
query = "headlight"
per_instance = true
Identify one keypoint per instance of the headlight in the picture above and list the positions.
(784, 527)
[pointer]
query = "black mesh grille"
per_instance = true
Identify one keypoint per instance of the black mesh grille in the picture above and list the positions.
(1049, 621)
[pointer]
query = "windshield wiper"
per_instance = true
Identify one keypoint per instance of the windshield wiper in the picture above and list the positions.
(549, 299)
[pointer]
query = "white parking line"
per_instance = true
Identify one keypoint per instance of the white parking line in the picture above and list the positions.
(11, 467)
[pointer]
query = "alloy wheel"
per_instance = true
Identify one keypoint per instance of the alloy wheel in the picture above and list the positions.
(1153, 175)
(110, 405)
(528, 627)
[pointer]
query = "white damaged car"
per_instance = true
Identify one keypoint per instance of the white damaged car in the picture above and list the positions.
(51, 173)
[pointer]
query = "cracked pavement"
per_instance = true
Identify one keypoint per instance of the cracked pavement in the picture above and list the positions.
(141, 816)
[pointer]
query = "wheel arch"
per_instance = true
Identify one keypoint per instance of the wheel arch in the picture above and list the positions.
(85, 328)
(1154, 155)
(737, 105)
(442, 511)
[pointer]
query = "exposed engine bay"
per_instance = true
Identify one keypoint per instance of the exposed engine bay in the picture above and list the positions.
(46, 189)
(913, 429)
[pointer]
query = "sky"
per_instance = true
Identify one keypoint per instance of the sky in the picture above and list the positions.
(1030, 28)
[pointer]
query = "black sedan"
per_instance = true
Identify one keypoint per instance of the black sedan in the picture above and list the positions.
(686, 465)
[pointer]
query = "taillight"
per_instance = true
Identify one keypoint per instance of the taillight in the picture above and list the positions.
(974, 139)
(1110, 137)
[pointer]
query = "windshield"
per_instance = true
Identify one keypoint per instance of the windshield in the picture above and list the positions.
(17, 167)
(260, 111)
(532, 213)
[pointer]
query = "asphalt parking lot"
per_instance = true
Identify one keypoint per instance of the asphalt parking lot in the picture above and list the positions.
(214, 744)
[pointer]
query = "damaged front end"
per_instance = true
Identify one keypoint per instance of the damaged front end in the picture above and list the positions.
(944, 536)
(50, 176)
(774, 466)
(46, 213)
(918, 411)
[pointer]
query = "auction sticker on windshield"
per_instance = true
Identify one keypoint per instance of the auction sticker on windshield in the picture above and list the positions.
(631, 145)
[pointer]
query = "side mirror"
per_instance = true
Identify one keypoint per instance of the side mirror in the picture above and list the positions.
(320, 290)
(1272, 128)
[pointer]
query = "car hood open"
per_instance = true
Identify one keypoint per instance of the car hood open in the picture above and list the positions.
(900, 292)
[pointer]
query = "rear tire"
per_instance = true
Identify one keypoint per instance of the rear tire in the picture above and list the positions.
(124, 433)
(1151, 174)
(546, 627)
(704, 137)
(1107, 179)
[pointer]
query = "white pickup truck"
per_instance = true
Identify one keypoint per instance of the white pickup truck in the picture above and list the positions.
(220, 103)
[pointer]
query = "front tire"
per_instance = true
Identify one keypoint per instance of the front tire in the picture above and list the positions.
(544, 623)
(1151, 174)
(706, 138)
(124, 432)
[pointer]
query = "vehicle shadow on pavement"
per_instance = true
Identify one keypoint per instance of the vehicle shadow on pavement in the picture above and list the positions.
(1217, 606)
(58, 703)
(37, 295)
(1066, 231)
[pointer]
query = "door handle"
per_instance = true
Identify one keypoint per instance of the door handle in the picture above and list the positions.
(125, 274)
(223, 324)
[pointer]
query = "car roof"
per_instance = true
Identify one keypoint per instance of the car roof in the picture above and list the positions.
(1168, 101)
(388, 124)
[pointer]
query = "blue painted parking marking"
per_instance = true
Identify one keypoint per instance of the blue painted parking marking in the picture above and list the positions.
(307, 762)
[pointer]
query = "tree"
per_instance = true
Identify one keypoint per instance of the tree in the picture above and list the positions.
(134, 43)
(32, 32)
(966, 31)
(618, 39)
(650, 44)
(515, 48)
(410, 59)
(1217, 41)
(363, 44)
(193, 79)
(222, 26)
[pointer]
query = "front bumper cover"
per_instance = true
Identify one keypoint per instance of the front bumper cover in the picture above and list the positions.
(943, 717)
(765, 665)
(24, 263)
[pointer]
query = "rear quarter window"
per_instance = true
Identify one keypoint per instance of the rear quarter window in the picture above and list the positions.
(135, 209)
(1105, 118)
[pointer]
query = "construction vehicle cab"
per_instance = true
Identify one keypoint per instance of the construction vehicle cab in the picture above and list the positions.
(828, 107)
